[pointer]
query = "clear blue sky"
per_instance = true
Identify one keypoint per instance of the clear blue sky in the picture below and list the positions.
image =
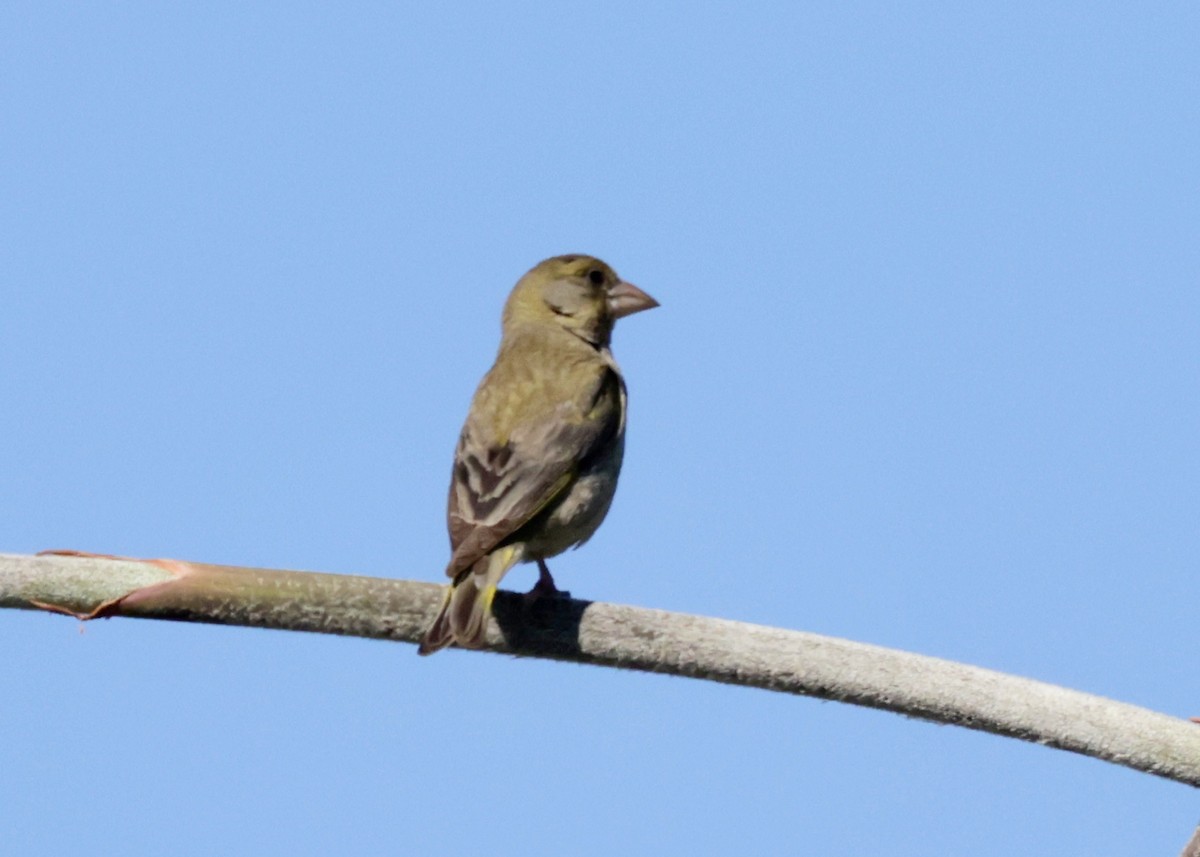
(925, 375)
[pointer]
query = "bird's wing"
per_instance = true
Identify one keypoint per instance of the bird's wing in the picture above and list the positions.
(496, 488)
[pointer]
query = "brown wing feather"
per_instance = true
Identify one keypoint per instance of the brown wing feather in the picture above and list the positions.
(496, 487)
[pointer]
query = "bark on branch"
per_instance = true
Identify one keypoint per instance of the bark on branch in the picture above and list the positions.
(619, 636)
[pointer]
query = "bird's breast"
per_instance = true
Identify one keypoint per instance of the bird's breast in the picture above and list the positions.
(574, 518)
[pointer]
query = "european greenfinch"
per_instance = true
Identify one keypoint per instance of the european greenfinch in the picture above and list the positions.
(537, 461)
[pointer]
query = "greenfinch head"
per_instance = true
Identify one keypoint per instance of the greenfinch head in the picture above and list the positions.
(579, 293)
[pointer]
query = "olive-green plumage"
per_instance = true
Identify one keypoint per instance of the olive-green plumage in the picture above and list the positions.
(537, 462)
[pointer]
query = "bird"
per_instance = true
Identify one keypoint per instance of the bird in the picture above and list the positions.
(537, 461)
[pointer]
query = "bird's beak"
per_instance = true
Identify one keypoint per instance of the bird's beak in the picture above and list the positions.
(626, 299)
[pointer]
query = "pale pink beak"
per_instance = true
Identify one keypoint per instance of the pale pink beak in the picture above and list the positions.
(626, 299)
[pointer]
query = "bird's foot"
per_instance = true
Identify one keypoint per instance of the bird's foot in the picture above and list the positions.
(544, 588)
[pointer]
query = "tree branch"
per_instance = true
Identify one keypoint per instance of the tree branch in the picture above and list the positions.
(1192, 849)
(618, 636)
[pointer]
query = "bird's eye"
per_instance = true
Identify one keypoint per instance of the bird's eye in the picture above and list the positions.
(596, 277)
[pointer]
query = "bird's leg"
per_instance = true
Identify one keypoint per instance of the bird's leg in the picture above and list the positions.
(544, 588)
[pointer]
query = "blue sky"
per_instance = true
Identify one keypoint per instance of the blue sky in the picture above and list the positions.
(924, 375)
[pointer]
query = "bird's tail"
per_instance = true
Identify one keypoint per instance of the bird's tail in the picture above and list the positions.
(468, 603)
